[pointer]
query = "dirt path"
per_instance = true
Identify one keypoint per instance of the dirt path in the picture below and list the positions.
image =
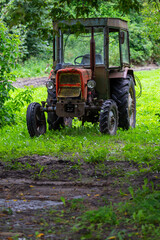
(45, 194)
(41, 81)
(35, 82)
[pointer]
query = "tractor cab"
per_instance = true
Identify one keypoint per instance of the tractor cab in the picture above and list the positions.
(100, 44)
(110, 37)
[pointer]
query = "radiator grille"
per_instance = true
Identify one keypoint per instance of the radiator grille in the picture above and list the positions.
(69, 78)
(69, 85)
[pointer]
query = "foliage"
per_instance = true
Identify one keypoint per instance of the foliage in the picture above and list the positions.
(152, 21)
(91, 222)
(125, 6)
(9, 51)
(33, 67)
(34, 21)
(83, 8)
(96, 156)
(142, 212)
(145, 205)
(141, 47)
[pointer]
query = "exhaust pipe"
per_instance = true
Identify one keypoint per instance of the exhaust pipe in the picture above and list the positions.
(92, 54)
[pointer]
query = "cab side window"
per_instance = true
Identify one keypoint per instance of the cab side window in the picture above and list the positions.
(124, 47)
(114, 49)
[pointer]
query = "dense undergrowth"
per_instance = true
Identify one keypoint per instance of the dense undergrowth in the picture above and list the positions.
(140, 146)
(33, 67)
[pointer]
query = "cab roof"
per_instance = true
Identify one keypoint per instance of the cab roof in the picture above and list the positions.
(94, 22)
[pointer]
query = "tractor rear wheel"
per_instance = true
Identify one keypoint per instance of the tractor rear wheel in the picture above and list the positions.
(36, 122)
(123, 93)
(108, 118)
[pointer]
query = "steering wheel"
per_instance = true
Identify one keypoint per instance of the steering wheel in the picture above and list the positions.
(75, 60)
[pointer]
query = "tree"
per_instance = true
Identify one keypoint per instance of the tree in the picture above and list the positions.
(9, 53)
(151, 15)
(34, 19)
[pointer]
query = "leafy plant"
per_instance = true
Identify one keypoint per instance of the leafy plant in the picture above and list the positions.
(76, 204)
(96, 156)
(9, 52)
(91, 222)
(63, 200)
(33, 67)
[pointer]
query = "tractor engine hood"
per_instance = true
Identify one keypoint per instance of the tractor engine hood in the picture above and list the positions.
(72, 83)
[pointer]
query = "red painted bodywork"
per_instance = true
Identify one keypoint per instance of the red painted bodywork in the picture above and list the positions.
(85, 75)
(51, 73)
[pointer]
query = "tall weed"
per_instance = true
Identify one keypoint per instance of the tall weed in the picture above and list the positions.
(33, 67)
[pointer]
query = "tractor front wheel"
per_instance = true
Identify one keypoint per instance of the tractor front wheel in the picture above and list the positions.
(36, 122)
(108, 118)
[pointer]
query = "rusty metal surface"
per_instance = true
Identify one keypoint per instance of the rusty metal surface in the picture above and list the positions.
(69, 78)
(92, 54)
(69, 92)
(85, 75)
(120, 74)
(95, 22)
(102, 83)
(117, 23)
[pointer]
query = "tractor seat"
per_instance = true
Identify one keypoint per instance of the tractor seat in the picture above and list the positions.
(86, 59)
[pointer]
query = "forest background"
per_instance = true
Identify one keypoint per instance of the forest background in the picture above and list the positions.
(32, 22)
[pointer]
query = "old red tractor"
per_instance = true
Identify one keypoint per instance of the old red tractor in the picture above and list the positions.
(91, 78)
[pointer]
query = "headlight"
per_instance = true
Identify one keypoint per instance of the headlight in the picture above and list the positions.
(50, 85)
(91, 84)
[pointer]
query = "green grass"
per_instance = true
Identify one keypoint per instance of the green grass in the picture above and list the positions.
(33, 67)
(142, 212)
(141, 145)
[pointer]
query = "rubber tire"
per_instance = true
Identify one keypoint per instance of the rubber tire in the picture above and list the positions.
(36, 122)
(106, 126)
(54, 122)
(122, 91)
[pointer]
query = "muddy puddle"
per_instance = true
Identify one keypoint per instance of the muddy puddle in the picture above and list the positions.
(23, 205)
(18, 205)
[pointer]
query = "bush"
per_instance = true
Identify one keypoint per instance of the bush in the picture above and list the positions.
(9, 53)
(141, 47)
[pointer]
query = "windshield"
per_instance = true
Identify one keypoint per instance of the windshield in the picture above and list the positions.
(76, 48)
